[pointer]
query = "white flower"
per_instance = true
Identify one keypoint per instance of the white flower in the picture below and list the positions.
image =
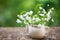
(26, 14)
(40, 8)
(25, 22)
(48, 5)
(45, 18)
(48, 15)
(50, 11)
(18, 21)
(48, 18)
(21, 17)
(18, 15)
(44, 11)
(52, 20)
(52, 8)
(28, 18)
(41, 14)
(31, 12)
(37, 19)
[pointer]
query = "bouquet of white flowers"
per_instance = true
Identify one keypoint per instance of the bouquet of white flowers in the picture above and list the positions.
(41, 17)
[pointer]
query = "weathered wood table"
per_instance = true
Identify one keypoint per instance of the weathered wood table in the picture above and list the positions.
(21, 34)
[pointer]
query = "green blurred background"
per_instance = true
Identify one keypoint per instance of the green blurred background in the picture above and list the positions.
(10, 8)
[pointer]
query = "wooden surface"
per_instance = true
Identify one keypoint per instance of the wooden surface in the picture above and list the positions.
(21, 34)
